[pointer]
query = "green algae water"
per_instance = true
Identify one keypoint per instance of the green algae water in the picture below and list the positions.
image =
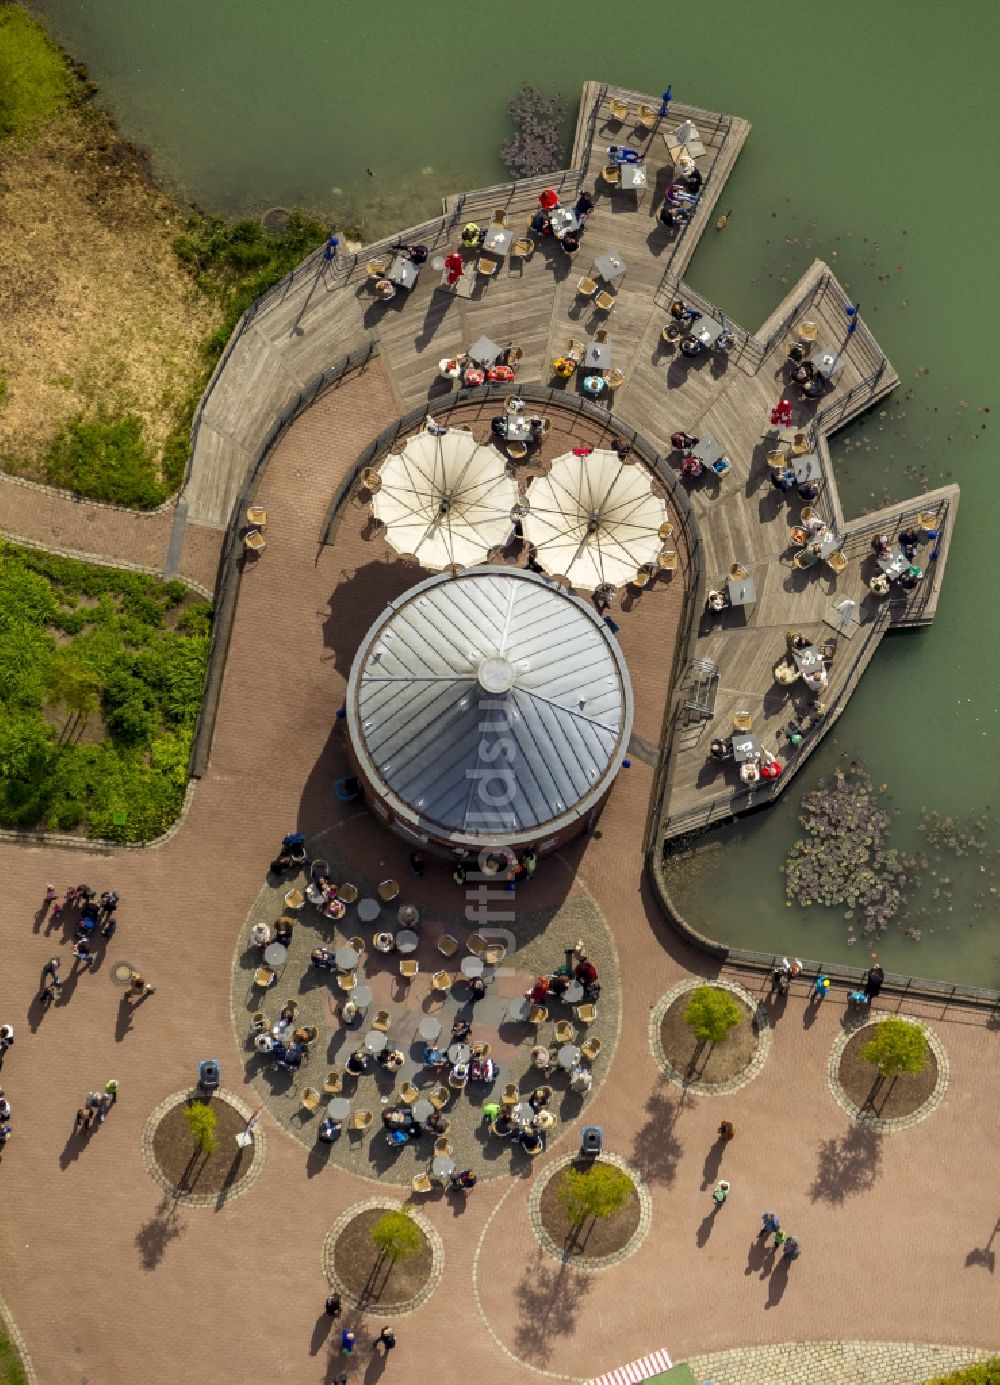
(874, 146)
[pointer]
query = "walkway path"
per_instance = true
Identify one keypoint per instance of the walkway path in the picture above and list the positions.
(867, 1212)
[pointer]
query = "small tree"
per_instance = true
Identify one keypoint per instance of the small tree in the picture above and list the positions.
(201, 1122)
(598, 1192)
(397, 1236)
(710, 1014)
(897, 1046)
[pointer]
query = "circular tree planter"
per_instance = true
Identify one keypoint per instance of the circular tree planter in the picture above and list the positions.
(354, 1267)
(715, 1070)
(891, 1103)
(598, 1243)
(182, 1170)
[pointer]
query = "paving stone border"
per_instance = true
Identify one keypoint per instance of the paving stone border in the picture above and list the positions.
(833, 1363)
(388, 1205)
(733, 1084)
(227, 1195)
(866, 1118)
(11, 1329)
(601, 1263)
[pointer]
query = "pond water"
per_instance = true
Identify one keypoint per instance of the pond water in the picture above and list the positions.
(873, 145)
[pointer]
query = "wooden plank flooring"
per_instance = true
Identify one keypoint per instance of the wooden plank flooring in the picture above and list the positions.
(326, 311)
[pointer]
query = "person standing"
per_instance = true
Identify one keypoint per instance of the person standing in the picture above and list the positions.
(111, 1090)
(416, 863)
(4, 1107)
(6, 1040)
(770, 1222)
(720, 1192)
(347, 1342)
(333, 1306)
(791, 1250)
(874, 978)
(386, 1339)
(779, 1237)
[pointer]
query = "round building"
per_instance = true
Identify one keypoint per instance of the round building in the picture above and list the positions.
(488, 709)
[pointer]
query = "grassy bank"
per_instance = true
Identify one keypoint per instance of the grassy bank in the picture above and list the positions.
(116, 302)
(101, 677)
(11, 1369)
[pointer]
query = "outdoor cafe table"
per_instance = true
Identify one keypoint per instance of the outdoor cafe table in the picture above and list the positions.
(275, 954)
(707, 331)
(443, 1166)
(376, 1041)
(573, 993)
(569, 1056)
(827, 540)
(459, 1053)
(597, 355)
(362, 997)
(610, 265)
(422, 1109)
(403, 272)
(406, 940)
(806, 468)
(485, 351)
(808, 660)
(523, 1113)
(339, 1108)
(893, 564)
(429, 1028)
(742, 591)
(472, 966)
(368, 910)
(826, 363)
(745, 748)
(516, 427)
(498, 240)
(633, 176)
(708, 452)
(346, 958)
(563, 219)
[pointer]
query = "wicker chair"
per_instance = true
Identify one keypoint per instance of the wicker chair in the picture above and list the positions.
(439, 1098)
(487, 268)
(359, 1120)
(619, 109)
(408, 968)
(838, 561)
(441, 982)
(605, 301)
(476, 944)
(421, 1183)
(511, 1096)
(382, 1021)
(408, 1093)
(447, 945)
(388, 890)
(586, 287)
(334, 1082)
(523, 249)
(537, 1014)
(311, 1099)
(742, 721)
(347, 894)
(590, 1049)
(586, 1014)
(263, 977)
(611, 174)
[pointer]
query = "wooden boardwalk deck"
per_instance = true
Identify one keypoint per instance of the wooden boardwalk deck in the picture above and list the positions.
(323, 312)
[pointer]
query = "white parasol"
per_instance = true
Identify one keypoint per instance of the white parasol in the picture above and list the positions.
(446, 499)
(594, 519)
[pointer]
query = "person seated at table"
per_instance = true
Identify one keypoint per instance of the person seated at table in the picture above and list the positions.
(909, 579)
(322, 957)
(463, 1181)
(260, 935)
(803, 372)
(720, 749)
(800, 642)
(680, 311)
(909, 540)
(477, 989)
(584, 205)
(482, 1070)
(570, 242)
(532, 1140)
(460, 1073)
(691, 467)
(880, 545)
(585, 972)
(265, 1043)
(505, 1124)
(460, 1031)
(539, 991)
(693, 178)
(780, 480)
(563, 366)
(540, 222)
(292, 1057)
(817, 680)
(797, 353)
(358, 1062)
(498, 426)
(417, 254)
(683, 442)
(540, 1098)
(770, 769)
(384, 290)
(283, 862)
(391, 1059)
(384, 942)
(668, 216)
(813, 388)
(283, 931)
(394, 1117)
(437, 1123)
(619, 154)
(471, 235)
(691, 346)
(814, 525)
(328, 1130)
(302, 1035)
(808, 491)
(435, 1057)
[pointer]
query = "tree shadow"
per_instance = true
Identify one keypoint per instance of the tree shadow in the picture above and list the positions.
(549, 1298)
(847, 1166)
(154, 1236)
(656, 1151)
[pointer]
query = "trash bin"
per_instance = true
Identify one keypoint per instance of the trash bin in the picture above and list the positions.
(592, 1140)
(209, 1073)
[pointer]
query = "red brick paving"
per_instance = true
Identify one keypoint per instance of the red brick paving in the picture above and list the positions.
(240, 1291)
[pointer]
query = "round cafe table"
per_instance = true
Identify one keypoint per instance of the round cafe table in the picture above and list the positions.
(362, 996)
(569, 1056)
(443, 1166)
(573, 993)
(523, 1113)
(346, 958)
(422, 1109)
(275, 954)
(406, 941)
(339, 1108)
(368, 910)
(459, 1053)
(429, 1028)
(472, 966)
(376, 1041)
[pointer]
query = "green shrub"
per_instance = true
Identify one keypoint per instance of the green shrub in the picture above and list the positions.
(598, 1192)
(983, 1373)
(898, 1046)
(710, 1014)
(11, 1370)
(34, 78)
(397, 1236)
(201, 1121)
(106, 458)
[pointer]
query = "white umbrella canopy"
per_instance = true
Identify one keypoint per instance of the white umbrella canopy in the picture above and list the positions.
(446, 499)
(594, 519)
